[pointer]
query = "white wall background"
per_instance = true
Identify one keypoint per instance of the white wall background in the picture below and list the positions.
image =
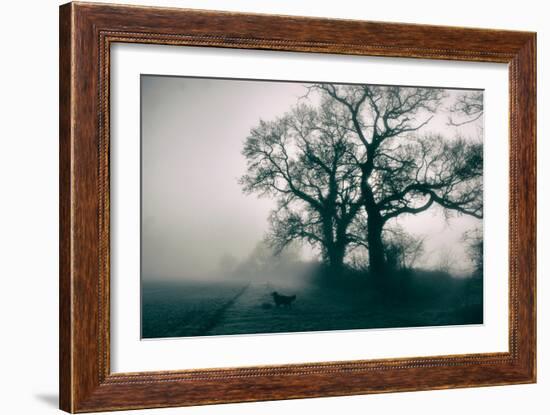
(28, 207)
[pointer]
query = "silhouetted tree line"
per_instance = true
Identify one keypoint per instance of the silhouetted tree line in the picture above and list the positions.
(342, 169)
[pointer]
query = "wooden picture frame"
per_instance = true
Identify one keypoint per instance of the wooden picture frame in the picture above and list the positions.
(86, 33)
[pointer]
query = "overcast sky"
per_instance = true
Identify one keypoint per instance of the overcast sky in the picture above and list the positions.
(193, 209)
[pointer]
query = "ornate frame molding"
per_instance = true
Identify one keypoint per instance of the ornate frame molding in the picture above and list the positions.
(86, 33)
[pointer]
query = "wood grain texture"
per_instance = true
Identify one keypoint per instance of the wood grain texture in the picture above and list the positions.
(86, 33)
(65, 138)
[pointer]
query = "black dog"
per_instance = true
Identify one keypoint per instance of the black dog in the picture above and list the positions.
(285, 300)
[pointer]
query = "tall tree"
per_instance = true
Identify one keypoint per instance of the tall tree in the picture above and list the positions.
(305, 160)
(401, 171)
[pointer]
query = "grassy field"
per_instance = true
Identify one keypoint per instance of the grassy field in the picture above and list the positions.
(181, 309)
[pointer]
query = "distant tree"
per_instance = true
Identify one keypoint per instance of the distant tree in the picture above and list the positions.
(263, 260)
(305, 160)
(446, 260)
(401, 171)
(467, 108)
(227, 263)
(474, 242)
(358, 258)
(402, 250)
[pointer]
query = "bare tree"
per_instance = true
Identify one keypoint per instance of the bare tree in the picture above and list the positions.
(467, 108)
(474, 241)
(402, 250)
(360, 148)
(303, 159)
(446, 261)
(401, 172)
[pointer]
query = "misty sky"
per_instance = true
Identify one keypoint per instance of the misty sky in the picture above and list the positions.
(193, 208)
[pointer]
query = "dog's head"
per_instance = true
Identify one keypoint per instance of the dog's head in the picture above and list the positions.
(274, 293)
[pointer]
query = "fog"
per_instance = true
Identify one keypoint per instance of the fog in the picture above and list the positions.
(195, 217)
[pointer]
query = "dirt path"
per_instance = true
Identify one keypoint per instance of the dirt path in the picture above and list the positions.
(180, 310)
(213, 320)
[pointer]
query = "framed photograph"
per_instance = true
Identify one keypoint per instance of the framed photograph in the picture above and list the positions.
(258, 207)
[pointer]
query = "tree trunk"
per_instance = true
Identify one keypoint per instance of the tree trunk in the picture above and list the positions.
(377, 257)
(336, 258)
(334, 249)
(375, 223)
